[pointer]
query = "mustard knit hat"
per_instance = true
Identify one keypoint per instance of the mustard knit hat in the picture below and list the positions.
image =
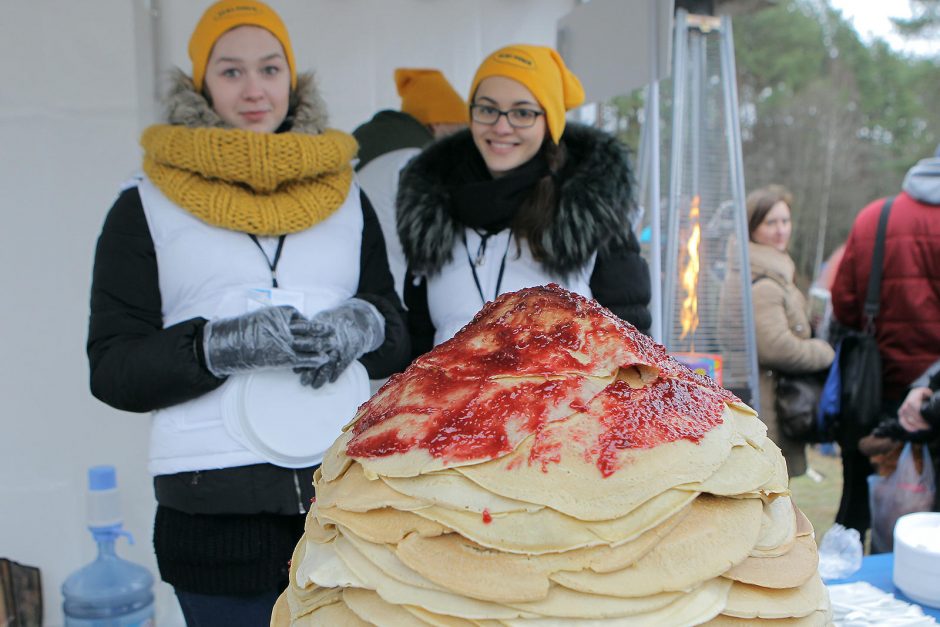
(225, 15)
(426, 95)
(543, 72)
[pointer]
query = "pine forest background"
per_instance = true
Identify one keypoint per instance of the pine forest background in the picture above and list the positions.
(834, 119)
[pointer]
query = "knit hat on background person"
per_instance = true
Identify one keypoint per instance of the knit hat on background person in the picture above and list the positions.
(225, 15)
(543, 71)
(428, 97)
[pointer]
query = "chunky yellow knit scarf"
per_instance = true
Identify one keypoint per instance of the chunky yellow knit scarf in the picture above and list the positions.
(260, 183)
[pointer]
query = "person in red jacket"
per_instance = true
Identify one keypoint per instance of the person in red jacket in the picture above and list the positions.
(907, 327)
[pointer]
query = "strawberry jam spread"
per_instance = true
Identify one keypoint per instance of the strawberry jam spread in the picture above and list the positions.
(624, 418)
(482, 425)
(457, 403)
(539, 331)
(666, 411)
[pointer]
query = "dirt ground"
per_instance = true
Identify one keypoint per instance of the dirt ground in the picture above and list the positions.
(818, 491)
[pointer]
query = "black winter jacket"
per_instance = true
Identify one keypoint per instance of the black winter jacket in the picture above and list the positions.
(137, 365)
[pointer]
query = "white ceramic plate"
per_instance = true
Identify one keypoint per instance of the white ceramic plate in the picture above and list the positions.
(286, 423)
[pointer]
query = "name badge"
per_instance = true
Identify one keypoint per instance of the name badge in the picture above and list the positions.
(273, 297)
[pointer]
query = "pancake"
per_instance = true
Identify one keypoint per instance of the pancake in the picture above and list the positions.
(453, 490)
(336, 615)
(542, 330)
(744, 472)
(513, 577)
(716, 534)
(353, 492)
(433, 427)
(748, 601)
(790, 570)
(590, 466)
(548, 531)
(696, 606)
(381, 525)
(778, 528)
(395, 592)
(370, 607)
(551, 466)
(818, 618)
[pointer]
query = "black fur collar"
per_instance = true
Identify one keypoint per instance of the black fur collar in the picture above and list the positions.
(595, 210)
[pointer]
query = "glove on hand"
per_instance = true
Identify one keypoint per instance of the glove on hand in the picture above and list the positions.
(344, 333)
(272, 337)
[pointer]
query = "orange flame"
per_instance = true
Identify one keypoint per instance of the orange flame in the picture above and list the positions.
(689, 315)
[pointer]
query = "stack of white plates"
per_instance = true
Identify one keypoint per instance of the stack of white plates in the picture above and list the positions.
(917, 557)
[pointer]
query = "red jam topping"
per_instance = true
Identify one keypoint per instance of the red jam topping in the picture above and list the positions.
(534, 332)
(656, 354)
(452, 403)
(487, 519)
(666, 411)
(486, 418)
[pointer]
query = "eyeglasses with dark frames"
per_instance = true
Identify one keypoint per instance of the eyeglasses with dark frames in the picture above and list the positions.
(517, 117)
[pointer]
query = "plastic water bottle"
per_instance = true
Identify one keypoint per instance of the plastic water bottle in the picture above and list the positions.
(110, 591)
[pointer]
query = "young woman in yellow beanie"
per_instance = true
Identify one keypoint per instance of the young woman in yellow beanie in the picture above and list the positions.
(242, 294)
(520, 199)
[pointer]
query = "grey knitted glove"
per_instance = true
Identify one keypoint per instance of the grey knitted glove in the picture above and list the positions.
(344, 333)
(272, 337)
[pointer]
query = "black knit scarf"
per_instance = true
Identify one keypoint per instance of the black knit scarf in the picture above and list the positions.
(482, 202)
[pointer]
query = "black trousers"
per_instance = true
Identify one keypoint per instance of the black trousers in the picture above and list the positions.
(853, 507)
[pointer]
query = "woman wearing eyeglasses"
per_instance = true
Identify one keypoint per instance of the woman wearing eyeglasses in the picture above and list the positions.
(520, 199)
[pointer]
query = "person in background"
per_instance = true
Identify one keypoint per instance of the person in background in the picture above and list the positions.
(430, 109)
(907, 327)
(782, 329)
(919, 415)
(520, 199)
(244, 247)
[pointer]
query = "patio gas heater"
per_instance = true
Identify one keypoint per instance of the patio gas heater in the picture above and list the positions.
(707, 318)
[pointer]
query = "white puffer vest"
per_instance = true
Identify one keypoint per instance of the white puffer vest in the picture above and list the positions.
(209, 272)
(453, 298)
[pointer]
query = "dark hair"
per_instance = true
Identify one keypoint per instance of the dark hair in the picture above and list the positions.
(537, 212)
(761, 201)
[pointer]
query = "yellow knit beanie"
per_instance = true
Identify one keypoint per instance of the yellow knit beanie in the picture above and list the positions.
(426, 95)
(225, 15)
(543, 72)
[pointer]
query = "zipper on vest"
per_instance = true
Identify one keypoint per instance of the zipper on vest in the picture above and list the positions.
(300, 497)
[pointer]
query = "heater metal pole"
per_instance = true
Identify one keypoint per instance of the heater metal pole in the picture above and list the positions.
(696, 108)
(675, 172)
(653, 163)
(733, 122)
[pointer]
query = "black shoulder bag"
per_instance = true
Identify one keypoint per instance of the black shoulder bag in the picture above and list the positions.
(796, 400)
(859, 359)
(796, 404)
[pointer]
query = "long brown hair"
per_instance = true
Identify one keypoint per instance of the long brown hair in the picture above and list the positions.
(537, 212)
(761, 201)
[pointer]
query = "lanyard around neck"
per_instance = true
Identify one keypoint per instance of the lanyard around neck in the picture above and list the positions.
(481, 250)
(277, 255)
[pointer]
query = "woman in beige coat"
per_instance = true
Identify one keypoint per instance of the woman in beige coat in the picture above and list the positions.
(782, 329)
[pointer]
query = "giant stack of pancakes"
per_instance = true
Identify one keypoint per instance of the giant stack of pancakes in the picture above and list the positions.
(550, 465)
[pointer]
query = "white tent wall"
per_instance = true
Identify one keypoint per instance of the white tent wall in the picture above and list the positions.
(79, 87)
(354, 46)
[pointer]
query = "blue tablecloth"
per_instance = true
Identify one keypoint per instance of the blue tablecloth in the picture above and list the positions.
(878, 571)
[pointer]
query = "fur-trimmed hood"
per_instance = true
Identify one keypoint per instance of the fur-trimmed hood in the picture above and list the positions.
(187, 107)
(596, 206)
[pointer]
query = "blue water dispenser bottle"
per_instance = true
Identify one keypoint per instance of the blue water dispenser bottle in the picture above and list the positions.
(110, 591)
